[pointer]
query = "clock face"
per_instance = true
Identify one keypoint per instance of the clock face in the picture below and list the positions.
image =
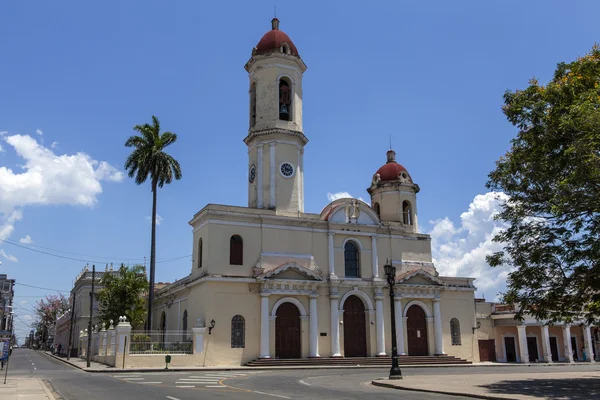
(252, 174)
(287, 169)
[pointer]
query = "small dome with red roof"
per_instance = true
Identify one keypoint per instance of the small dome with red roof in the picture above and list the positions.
(275, 40)
(392, 171)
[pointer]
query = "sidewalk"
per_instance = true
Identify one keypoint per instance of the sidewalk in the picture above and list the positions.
(24, 388)
(522, 386)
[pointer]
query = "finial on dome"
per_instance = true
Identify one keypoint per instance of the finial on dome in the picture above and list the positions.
(391, 156)
(275, 24)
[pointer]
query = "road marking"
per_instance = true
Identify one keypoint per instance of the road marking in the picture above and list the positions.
(304, 383)
(215, 386)
(147, 383)
(172, 398)
(271, 394)
(133, 379)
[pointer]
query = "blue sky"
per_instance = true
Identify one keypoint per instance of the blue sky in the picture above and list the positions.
(430, 74)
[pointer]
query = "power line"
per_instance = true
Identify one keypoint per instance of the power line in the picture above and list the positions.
(32, 246)
(43, 288)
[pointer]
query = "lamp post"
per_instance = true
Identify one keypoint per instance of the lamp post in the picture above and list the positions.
(390, 274)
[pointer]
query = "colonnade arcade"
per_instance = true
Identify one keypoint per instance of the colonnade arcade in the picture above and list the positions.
(356, 327)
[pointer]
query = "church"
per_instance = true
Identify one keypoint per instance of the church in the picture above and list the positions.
(270, 281)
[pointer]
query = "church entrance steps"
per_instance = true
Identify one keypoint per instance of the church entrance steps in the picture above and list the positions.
(353, 361)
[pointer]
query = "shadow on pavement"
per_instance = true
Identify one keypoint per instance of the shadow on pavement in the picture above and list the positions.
(564, 389)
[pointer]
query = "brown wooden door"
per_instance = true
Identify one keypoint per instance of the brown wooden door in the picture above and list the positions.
(511, 352)
(416, 330)
(554, 348)
(532, 349)
(355, 332)
(487, 350)
(287, 332)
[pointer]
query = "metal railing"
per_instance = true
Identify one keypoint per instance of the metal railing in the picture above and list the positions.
(160, 342)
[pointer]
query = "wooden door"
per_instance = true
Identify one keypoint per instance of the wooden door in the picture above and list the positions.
(532, 349)
(355, 332)
(487, 350)
(416, 330)
(554, 348)
(511, 352)
(287, 332)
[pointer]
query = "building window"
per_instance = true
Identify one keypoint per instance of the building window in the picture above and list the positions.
(236, 250)
(376, 208)
(351, 260)
(253, 104)
(238, 332)
(285, 100)
(200, 253)
(455, 331)
(184, 324)
(407, 213)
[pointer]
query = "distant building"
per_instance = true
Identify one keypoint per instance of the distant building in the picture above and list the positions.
(81, 292)
(7, 293)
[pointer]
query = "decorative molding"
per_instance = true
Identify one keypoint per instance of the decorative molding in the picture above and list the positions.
(362, 295)
(293, 266)
(292, 300)
(275, 131)
(420, 304)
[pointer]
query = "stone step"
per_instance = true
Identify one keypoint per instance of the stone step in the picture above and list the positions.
(373, 361)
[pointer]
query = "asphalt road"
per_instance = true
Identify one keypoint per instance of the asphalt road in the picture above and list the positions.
(72, 384)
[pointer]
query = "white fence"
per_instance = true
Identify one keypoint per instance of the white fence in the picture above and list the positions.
(161, 342)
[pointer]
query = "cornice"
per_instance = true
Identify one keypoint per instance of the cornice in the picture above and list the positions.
(276, 131)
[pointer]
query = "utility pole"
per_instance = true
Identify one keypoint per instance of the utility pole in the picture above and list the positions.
(89, 346)
(71, 326)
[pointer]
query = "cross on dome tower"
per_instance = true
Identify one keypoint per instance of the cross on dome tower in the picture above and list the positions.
(275, 138)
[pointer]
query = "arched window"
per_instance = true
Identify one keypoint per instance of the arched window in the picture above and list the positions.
(184, 325)
(407, 213)
(351, 260)
(236, 250)
(285, 100)
(253, 104)
(455, 331)
(376, 208)
(200, 253)
(238, 332)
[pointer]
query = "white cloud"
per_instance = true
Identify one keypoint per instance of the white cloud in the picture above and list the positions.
(158, 219)
(1, 149)
(7, 223)
(9, 257)
(39, 132)
(28, 317)
(51, 179)
(340, 195)
(461, 251)
(23, 302)
(26, 240)
(54, 145)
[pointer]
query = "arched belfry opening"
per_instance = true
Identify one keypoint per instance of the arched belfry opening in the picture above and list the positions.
(406, 213)
(285, 100)
(253, 104)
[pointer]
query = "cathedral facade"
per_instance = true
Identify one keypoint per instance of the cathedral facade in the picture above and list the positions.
(271, 281)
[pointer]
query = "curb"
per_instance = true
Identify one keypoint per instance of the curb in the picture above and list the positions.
(471, 395)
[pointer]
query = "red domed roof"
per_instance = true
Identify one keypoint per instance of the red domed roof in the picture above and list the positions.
(390, 170)
(273, 40)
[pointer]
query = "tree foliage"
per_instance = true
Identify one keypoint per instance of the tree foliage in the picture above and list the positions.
(46, 312)
(149, 160)
(123, 294)
(552, 176)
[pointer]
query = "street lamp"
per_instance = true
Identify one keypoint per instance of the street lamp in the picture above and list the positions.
(390, 274)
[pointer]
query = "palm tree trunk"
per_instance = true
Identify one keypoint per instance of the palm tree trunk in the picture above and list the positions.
(152, 258)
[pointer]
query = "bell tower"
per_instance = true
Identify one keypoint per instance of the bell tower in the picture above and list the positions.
(275, 138)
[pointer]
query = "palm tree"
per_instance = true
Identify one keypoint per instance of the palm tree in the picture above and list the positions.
(148, 159)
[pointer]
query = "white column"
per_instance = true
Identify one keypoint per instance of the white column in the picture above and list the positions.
(522, 336)
(272, 174)
(259, 176)
(298, 179)
(335, 326)
(587, 338)
(547, 352)
(399, 326)
(437, 327)
(567, 342)
(314, 327)
(374, 259)
(331, 256)
(264, 326)
(379, 324)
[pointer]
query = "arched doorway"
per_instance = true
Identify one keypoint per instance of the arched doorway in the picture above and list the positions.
(355, 332)
(287, 331)
(416, 331)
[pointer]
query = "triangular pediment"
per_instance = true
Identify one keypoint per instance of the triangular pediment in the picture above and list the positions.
(418, 277)
(292, 271)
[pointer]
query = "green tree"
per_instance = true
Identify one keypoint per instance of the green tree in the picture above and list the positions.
(46, 311)
(552, 176)
(149, 160)
(123, 294)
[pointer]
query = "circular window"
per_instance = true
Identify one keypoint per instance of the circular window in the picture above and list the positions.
(287, 169)
(252, 173)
